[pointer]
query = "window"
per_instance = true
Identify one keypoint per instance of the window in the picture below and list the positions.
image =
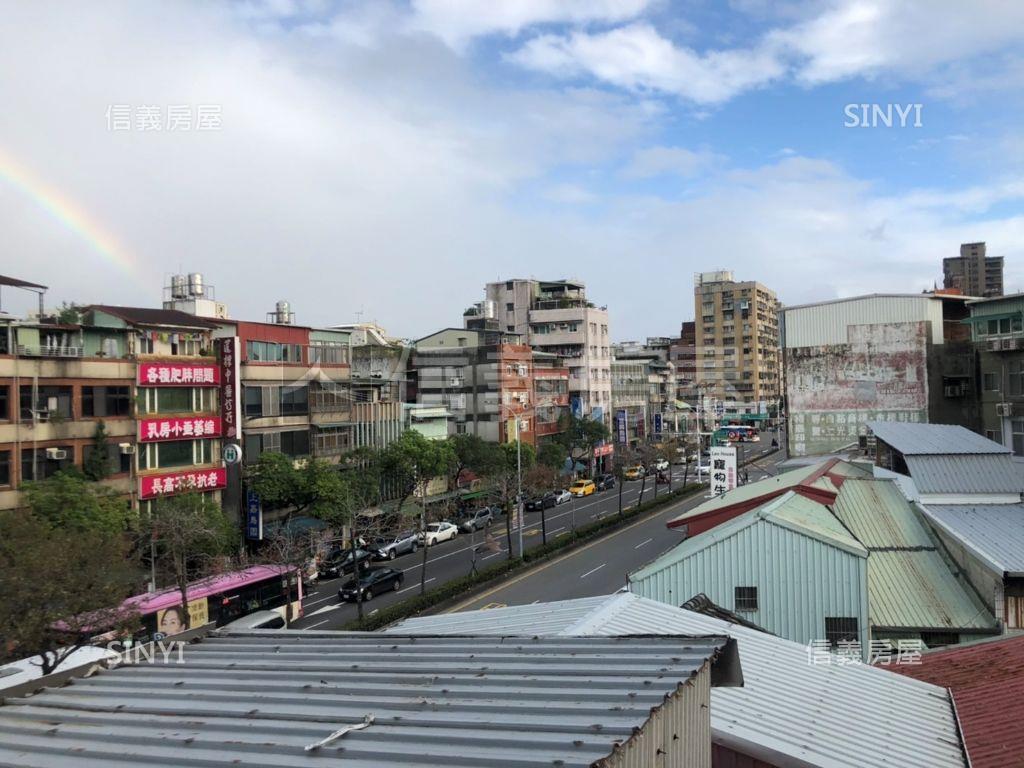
(293, 443)
(745, 598)
(510, 328)
(145, 344)
(5, 467)
(253, 401)
(327, 352)
(510, 307)
(1017, 431)
(44, 465)
(5, 403)
(177, 453)
(117, 462)
(294, 401)
(841, 628)
(990, 382)
(179, 400)
(272, 352)
(49, 402)
(106, 401)
(333, 440)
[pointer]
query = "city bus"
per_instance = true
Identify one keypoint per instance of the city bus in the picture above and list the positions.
(219, 600)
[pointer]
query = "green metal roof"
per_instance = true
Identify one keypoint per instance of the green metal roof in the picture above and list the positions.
(910, 583)
(790, 511)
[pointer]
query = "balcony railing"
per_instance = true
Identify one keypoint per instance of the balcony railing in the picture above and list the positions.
(37, 351)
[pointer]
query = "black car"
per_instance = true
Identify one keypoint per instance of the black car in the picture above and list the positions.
(604, 482)
(375, 581)
(338, 562)
(538, 503)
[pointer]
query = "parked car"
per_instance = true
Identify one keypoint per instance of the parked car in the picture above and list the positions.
(390, 547)
(604, 482)
(582, 488)
(438, 532)
(337, 562)
(374, 582)
(546, 501)
(562, 496)
(475, 519)
(661, 465)
(635, 472)
(258, 620)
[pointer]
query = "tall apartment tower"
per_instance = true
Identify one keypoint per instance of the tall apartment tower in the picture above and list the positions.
(973, 272)
(737, 342)
(556, 317)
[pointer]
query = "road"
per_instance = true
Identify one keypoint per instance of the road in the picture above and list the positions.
(599, 568)
(453, 559)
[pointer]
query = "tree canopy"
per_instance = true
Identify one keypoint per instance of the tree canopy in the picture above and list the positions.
(67, 501)
(313, 487)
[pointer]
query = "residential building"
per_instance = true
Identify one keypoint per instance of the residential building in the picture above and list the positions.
(551, 394)
(390, 700)
(557, 317)
(900, 357)
(973, 272)
(147, 374)
(737, 343)
(746, 548)
(629, 402)
(431, 421)
(794, 709)
(986, 682)
(655, 413)
(484, 378)
(997, 330)
(683, 356)
(379, 384)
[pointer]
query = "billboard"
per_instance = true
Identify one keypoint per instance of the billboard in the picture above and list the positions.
(723, 469)
(178, 375)
(230, 390)
(179, 428)
(622, 426)
(152, 486)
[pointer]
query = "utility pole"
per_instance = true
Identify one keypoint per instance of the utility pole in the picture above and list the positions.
(519, 483)
(423, 527)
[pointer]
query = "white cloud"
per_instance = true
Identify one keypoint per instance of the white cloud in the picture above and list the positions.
(638, 57)
(678, 161)
(459, 21)
(569, 194)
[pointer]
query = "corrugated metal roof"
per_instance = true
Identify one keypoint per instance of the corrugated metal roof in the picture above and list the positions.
(790, 511)
(910, 583)
(995, 532)
(789, 711)
(740, 494)
(987, 680)
(914, 438)
(973, 473)
(262, 698)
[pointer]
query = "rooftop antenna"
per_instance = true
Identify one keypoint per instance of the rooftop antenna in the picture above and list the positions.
(359, 316)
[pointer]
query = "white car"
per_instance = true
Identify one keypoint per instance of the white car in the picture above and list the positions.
(438, 532)
(562, 496)
(661, 465)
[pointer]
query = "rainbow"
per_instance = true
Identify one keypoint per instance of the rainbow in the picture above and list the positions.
(67, 212)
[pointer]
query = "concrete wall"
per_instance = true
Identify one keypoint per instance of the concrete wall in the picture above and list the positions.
(879, 372)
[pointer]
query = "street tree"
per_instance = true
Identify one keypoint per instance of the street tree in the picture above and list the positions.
(68, 501)
(310, 486)
(504, 478)
(190, 538)
(552, 455)
(537, 481)
(579, 437)
(59, 588)
(623, 458)
(96, 465)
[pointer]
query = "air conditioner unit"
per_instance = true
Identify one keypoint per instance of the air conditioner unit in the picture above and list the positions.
(127, 449)
(994, 345)
(1004, 409)
(1009, 343)
(56, 454)
(51, 404)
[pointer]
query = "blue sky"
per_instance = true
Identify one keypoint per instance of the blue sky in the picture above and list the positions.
(390, 157)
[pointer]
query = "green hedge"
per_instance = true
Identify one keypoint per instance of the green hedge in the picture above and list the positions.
(457, 587)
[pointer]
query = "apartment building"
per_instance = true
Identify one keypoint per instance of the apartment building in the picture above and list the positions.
(489, 380)
(736, 343)
(997, 330)
(974, 272)
(558, 318)
(644, 389)
(151, 377)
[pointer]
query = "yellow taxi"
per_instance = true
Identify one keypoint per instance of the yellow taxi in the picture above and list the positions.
(582, 488)
(634, 473)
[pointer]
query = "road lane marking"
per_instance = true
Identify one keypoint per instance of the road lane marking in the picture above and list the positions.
(318, 624)
(325, 609)
(416, 585)
(642, 543)
(602, 565)
(310, 604)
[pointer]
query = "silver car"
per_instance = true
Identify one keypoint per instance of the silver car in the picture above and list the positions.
(390, 547)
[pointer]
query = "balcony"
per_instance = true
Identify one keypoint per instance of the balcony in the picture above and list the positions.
(38, 351)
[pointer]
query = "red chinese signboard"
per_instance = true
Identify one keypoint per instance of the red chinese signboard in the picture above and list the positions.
(178, 375)
(179, 428)
(227, 349)
(152, 486)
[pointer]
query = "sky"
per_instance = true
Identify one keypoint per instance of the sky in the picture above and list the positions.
(383, 160)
